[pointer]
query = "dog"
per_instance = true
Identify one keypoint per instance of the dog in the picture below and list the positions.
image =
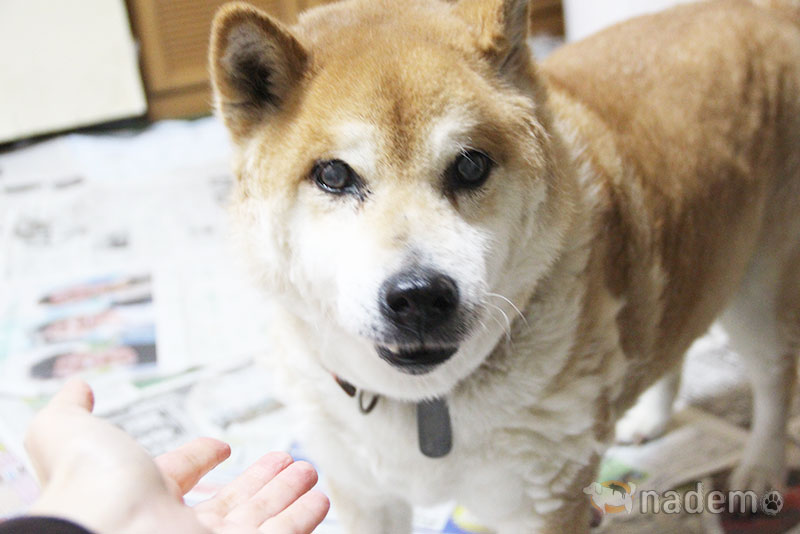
(479, 263)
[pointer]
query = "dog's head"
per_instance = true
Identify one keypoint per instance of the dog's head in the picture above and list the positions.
(397, 183)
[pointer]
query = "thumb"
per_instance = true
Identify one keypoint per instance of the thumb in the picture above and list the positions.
(40, 439)
(75, 393)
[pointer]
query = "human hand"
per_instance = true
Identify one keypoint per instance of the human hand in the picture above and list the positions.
(96, 475)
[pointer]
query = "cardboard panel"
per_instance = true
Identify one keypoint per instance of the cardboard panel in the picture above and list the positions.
(65, 65)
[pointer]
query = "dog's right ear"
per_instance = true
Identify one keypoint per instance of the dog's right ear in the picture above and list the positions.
(255, 64)
(501, 29)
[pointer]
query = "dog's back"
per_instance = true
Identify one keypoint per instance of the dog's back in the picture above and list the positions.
(696, 140)
(707, 128)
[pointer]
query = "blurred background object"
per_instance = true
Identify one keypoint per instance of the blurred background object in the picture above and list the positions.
(174, 49)
(585, 17)
(65, 64)
(86, 72)
(547, 17)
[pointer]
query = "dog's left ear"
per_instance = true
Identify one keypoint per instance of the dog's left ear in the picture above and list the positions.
(501, 28)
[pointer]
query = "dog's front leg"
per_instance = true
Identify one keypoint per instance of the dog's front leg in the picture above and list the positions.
(362, 513)
(563, 509)
(573, 517)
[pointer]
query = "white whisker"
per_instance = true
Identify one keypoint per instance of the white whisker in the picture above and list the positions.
(505, 328)
(516, 309)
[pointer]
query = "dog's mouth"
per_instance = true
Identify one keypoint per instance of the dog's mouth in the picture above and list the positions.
(415, 361)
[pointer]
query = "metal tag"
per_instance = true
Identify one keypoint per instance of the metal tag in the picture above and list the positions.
(433, 428)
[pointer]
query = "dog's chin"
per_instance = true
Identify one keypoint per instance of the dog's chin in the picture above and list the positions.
(412, 374)
(406, 371)
(416, 360)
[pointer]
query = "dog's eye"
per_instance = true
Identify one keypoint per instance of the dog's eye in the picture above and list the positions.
(470, 169)
(334, 176)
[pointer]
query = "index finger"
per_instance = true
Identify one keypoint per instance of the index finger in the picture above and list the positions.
(247, 484)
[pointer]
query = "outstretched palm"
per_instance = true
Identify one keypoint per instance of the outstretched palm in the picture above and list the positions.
(96, 475)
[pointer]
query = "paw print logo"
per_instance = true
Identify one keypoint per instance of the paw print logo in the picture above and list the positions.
(771, 503)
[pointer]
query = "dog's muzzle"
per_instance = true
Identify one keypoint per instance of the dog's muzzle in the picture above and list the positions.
(420, 306)
(419, 301)
(416, 361)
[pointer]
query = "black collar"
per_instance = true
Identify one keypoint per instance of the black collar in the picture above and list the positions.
(434, 429)
(351, 391)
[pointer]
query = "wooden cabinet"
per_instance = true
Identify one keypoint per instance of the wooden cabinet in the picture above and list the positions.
(547, 16)
(173, 37)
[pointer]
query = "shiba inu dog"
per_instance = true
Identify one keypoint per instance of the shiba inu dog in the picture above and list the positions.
(480, 263)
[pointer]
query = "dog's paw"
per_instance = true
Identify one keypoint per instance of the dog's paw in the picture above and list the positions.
(758, 477)
(640, 424)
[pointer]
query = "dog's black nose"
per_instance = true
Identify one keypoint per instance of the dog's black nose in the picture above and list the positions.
(419, 300)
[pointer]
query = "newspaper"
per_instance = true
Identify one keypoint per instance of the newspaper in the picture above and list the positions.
(101, 325)
(18, 488)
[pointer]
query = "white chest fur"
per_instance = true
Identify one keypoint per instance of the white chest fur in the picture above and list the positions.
(517, 440)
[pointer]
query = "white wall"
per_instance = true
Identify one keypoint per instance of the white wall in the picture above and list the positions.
(65, 63)
(585, 17)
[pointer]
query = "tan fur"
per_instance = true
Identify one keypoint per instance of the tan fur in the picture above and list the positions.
(647, 179)
(707, 146)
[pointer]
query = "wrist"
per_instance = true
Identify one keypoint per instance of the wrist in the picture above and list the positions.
(118, 510)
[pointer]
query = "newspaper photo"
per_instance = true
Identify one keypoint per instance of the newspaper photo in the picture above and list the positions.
(104, 325)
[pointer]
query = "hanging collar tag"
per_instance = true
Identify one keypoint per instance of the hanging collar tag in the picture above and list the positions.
(433, 420)
(433, 428)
